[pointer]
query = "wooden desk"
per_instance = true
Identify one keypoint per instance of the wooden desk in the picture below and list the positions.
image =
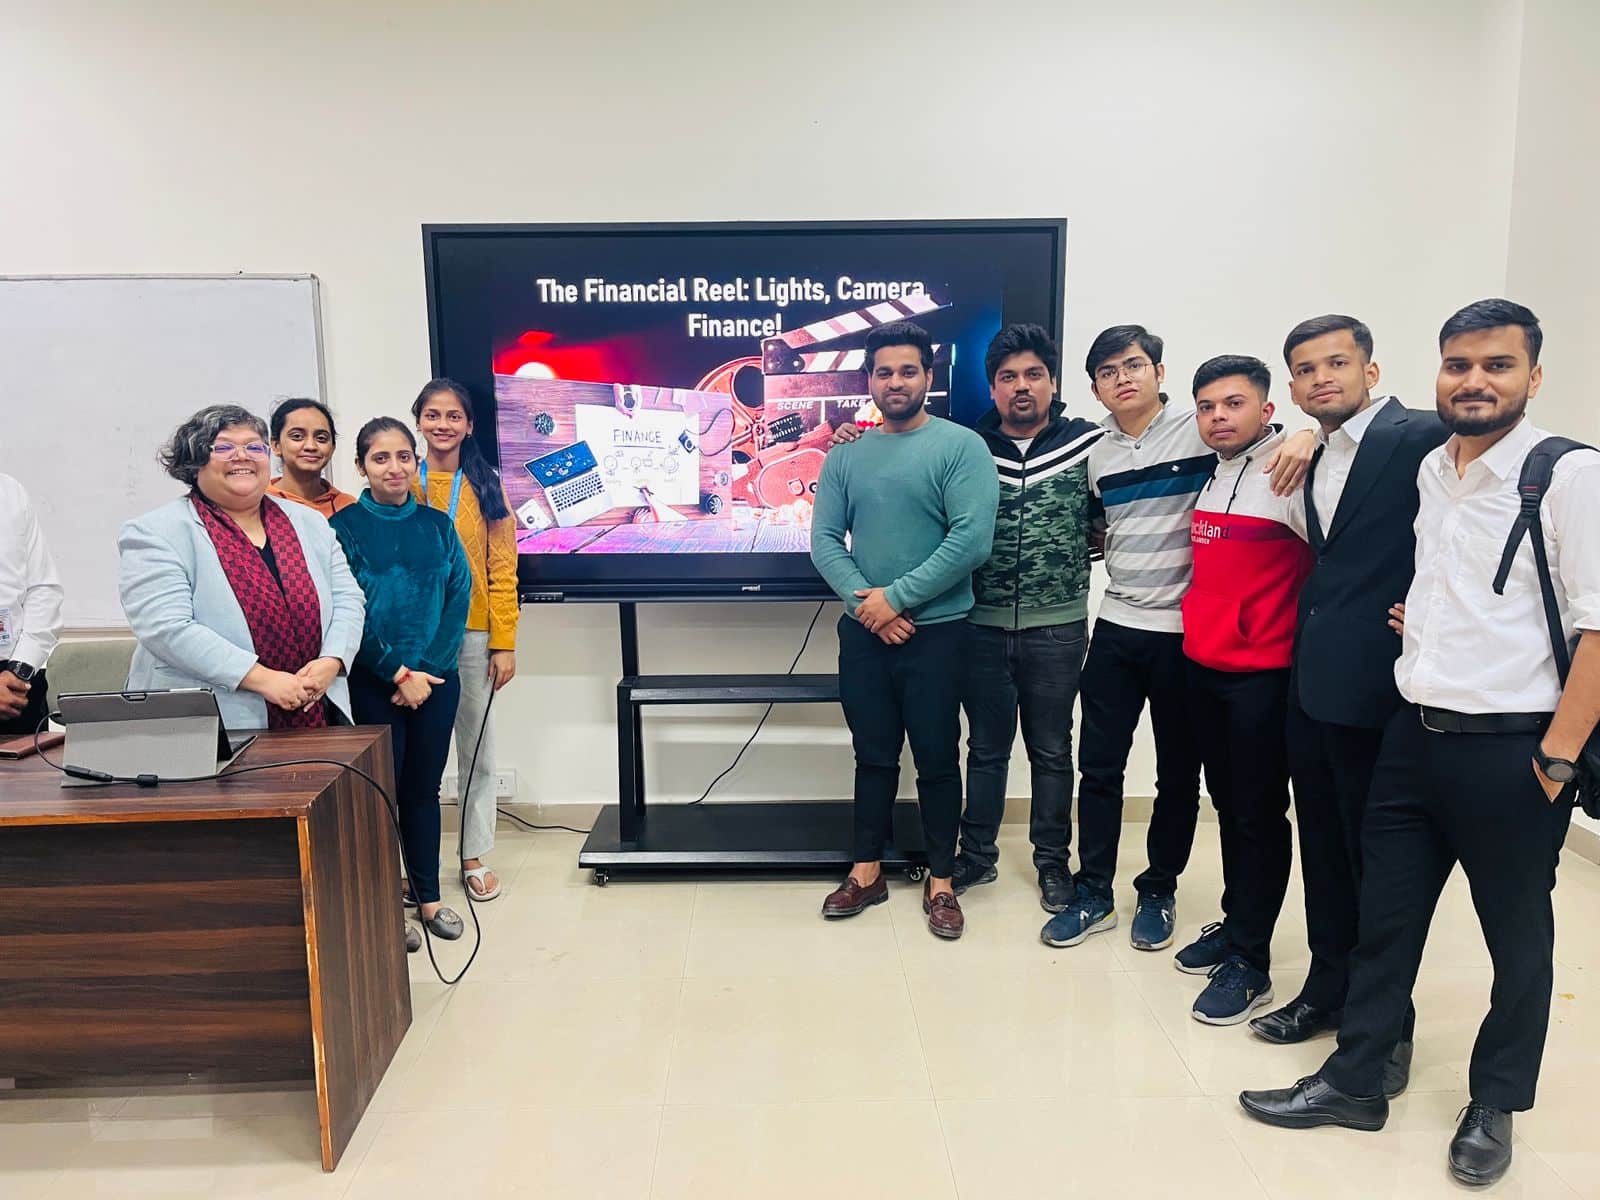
(244, 929)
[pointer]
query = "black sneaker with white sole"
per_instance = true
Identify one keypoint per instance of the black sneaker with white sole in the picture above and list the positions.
(1236, 990)
(1201, 956)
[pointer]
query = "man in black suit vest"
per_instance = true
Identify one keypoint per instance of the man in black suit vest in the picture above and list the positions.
(1361, 502)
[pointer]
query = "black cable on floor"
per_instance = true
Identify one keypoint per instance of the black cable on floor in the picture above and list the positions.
(729, 769)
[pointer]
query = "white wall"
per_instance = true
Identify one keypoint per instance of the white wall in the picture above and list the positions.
(1227, 169)
(1553, 260)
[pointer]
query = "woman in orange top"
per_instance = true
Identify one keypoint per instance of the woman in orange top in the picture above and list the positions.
(459, 480)
(303, 438)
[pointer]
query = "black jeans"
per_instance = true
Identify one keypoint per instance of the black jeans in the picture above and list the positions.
(27, 721)
(1332, 767)
(421, 743)
(1438, 799)
(895, 693)
(1034, 673)
(1247, 772)
(1126, 668)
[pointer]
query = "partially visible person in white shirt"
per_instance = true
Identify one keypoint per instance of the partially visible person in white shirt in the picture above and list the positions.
(30, 611)
(1478, 768)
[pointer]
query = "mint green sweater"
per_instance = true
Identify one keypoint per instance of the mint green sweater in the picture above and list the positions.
(919, 508)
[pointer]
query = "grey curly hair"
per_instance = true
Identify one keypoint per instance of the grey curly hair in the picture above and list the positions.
(189, 449)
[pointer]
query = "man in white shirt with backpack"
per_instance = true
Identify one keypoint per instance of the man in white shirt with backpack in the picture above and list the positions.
(1481, 764)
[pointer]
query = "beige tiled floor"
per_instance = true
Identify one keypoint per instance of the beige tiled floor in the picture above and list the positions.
(718, 1039)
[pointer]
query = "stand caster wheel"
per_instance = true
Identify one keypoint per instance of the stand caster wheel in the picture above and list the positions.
(601, 877)
(916, 874)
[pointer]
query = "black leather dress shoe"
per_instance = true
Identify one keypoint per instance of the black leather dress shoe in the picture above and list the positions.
(1296, 1021)
(1312, 1102)
(1481, 1150)
(1397, 1069)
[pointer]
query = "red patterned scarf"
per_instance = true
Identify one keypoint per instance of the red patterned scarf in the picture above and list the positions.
(285, 622)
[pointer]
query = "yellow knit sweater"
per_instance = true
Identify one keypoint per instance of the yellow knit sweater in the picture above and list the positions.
(492, 554)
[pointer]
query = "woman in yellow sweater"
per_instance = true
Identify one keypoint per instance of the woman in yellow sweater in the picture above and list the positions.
(457, 479)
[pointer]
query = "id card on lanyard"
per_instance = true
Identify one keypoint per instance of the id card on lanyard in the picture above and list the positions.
(455, 489)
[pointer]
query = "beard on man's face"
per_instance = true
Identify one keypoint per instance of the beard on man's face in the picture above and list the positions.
(1475, 424)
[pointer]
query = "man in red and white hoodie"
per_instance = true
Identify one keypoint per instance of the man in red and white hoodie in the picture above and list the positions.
(1250, 561)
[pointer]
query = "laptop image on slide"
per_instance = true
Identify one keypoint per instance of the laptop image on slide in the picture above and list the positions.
(174, 734)
(572, 483)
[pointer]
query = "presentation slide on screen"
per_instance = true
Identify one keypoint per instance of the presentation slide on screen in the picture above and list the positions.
(678, 393)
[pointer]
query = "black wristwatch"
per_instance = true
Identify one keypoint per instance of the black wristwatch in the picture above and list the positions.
(1556, 770)
(21, 670)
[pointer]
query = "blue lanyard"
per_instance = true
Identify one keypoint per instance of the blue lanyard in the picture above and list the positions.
(455, 489)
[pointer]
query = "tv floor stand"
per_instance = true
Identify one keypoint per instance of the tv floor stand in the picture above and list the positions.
(809, 835)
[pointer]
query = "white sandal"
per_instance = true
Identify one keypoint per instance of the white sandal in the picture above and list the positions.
(479, 873)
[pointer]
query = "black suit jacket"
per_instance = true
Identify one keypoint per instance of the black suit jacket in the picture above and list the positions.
(1344, 654)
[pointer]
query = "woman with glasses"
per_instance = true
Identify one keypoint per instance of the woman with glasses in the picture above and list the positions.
(230, 589)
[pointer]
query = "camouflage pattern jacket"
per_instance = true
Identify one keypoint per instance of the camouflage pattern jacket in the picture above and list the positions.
(1038, 571)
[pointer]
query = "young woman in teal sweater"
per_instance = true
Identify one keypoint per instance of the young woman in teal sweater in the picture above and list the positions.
(414, 572)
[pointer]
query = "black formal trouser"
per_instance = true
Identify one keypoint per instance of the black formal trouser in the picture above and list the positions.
(32, 712)
(1034, 673)
(1126, 668)
(1438, 799)
(420, 742)
(1332, 767)
(1241, 716)
(892, 694)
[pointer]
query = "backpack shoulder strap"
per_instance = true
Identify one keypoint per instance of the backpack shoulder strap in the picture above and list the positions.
(1532, 484)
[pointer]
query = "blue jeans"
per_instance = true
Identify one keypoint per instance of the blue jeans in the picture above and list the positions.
(420, 740)
(1031, 674)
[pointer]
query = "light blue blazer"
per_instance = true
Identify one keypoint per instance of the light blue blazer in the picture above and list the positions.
(191, 630)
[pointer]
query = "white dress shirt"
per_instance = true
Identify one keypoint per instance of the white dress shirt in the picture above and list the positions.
(1465, 648)
(30, 592)
(1338, 456)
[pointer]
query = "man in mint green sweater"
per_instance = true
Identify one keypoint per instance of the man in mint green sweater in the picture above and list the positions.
(917, 499)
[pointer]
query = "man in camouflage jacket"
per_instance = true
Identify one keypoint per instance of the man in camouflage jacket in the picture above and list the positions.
(1030, 619)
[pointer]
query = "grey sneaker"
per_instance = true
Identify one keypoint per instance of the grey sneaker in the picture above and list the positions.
(445, 924)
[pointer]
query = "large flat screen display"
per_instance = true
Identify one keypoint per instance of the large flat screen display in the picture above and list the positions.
(660, 398)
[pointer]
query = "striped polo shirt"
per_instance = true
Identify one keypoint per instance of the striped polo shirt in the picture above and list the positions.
(1146, 488)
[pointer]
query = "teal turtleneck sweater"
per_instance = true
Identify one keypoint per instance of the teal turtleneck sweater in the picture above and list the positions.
(410, 563)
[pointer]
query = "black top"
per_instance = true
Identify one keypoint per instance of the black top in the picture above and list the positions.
(1344, 654)
(271, 559)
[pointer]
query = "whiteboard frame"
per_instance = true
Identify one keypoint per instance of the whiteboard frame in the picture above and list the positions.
(83, 632)
(304, 277)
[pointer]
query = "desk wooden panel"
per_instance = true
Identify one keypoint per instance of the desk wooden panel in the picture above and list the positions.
(249, 927)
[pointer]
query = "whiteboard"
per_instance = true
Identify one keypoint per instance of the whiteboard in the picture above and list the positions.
(97, 371)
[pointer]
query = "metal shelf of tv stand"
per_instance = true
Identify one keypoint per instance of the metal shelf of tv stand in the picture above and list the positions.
(795, 835)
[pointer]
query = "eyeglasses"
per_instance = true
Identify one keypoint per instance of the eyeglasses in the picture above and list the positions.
(1133, 367)
(228, 449)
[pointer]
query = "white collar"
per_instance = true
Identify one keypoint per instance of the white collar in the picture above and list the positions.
(1356, 427)
(1503, 458)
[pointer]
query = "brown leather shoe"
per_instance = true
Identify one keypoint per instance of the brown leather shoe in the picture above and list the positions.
(944, 913)
(850, 897)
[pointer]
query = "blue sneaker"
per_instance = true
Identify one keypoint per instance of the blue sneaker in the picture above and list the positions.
(1236, 990)
(1088, 913)
(1152, 922)
(1204, 953)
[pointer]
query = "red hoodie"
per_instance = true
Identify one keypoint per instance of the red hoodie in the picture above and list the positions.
(1250, 561)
